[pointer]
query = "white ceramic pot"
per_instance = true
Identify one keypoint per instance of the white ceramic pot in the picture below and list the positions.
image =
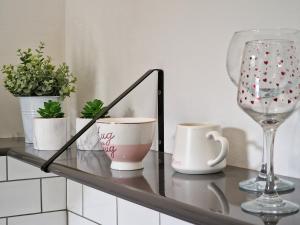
(89, 140)
(49, 134)
(126, 141)
(29, 106)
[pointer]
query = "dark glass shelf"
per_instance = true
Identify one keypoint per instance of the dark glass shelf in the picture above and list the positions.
(199, 199)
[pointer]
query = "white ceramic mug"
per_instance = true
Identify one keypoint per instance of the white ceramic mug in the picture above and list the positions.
(200, 148)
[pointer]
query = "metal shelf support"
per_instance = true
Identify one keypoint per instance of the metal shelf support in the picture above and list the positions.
(160, 115)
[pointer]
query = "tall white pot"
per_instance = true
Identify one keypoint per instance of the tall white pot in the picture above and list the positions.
(29, 106)
(89, 140)
(50, 133)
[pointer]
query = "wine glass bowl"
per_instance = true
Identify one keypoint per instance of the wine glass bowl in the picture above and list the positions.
(233, 66)
(268, 91)
(268, 86)
(239, 39)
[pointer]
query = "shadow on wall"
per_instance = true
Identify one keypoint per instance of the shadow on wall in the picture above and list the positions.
(84, 66)
(129, 112)
(83, 62)
(237, 146)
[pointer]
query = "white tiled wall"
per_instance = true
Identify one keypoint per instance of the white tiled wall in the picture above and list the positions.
(74, 196)
(2, 221)
(45, 197)
(133, 214)
(20, 170)
(20, 197)
(99, 206)
(103, 208)
(53, 218)
(78, 220)
(169, 220)
(2, 168)
(92, 206)
(53, 193)
(27, 192)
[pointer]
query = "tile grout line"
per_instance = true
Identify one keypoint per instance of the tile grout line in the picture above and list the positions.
(41, 194)
(159, 218)
(6, 168)
(117, 211)
(66, 194)
(67, 217)
(86, 218)
(31, 214)
(51, 177)
(82, 200)
(36, 178)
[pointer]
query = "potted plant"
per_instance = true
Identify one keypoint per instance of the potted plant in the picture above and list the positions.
(90, 139)
(50, 130)
(36, 80)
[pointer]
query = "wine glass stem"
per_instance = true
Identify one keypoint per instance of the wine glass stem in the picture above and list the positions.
(269, 139)
(263, 170)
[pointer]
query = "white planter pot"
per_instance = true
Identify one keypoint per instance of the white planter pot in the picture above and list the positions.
(29, 106)
(89, 140)
(49, 134)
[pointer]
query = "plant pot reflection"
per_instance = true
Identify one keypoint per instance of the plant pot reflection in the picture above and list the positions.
(94, 162)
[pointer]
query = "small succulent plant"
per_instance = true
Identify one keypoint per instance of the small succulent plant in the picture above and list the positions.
(52, 109)
(92, 108)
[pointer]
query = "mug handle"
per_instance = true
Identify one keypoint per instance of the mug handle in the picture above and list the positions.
(216, 136)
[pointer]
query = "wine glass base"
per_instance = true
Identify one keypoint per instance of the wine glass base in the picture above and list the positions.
(269, 205)
(258, 185)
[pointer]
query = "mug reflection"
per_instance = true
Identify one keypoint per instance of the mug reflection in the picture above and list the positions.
(200, 191)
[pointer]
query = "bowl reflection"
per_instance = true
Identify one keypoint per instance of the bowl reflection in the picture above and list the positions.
(134, 179)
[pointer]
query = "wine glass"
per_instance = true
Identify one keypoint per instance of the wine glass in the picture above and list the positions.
(233, 62)
(268, 92)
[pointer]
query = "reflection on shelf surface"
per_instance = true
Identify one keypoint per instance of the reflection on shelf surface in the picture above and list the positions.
(215, 193)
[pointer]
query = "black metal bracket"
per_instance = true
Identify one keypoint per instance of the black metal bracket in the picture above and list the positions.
(160, 115)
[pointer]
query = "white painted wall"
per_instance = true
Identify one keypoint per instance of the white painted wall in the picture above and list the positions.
(24, 24)
(111, 43)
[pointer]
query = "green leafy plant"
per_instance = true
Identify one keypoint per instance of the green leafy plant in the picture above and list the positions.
(92, 108)
(37, 76)
(52, 109)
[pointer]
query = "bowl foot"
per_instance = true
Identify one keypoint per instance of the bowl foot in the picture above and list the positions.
(126, 165)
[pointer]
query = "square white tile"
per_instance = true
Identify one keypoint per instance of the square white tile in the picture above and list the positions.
(53, 218)
(74, 196)
(78, 220)
(169, 220)
(2, 168)
(2, 221)
(133, 214)
(20, 197)
(54, 193)
(20, 170)
(99, 206)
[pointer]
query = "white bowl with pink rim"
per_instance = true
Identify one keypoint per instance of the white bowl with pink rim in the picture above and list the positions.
(126, 141)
